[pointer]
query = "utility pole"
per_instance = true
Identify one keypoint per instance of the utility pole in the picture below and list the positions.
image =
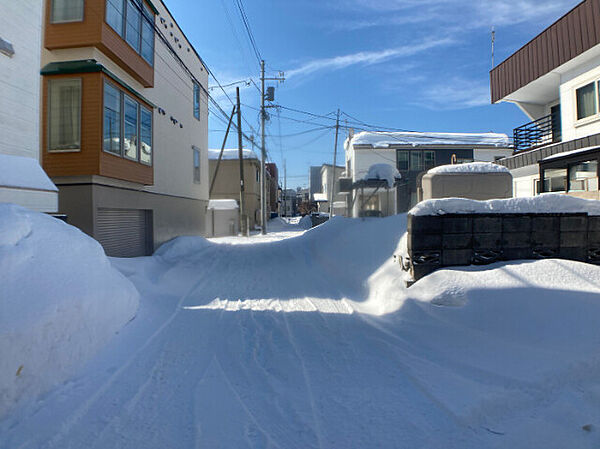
(284, 189)
(493, 44)
(332, 186)
(263, 116)
(243, 223)
(212, 184)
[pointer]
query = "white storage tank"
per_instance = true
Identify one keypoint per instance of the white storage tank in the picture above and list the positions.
(222, 218)
(475, 180)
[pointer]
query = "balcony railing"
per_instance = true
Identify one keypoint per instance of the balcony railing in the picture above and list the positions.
(535, 134)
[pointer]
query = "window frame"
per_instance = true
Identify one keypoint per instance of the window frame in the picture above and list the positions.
(145, 13)
(594, 84)
(140, 107)
(53, 21)
(197, 169)
(49, 115)
(196, 101)
(404, 152)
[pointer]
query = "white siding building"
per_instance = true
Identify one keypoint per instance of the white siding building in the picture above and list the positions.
(22, 180)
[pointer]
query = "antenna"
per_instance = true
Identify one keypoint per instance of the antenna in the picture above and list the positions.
(493, 42)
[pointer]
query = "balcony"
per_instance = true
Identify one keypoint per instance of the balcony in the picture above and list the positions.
(543, 131)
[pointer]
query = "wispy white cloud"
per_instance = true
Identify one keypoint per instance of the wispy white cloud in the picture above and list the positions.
(455, 93)
(365, 58)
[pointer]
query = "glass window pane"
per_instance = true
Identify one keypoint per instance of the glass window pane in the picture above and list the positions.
(429, 159)
(402, 157)
(555, 180)
(64, 114)
(130, 129)
(114, 15)
(148, 39)
(583, 176)
(415, 161)
(146, 135)
(197, 101)
(133, 24)
(112, 120)
(67, 11)
(586, 101)
(196, 165)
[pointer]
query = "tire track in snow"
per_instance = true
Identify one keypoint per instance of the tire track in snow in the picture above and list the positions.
(87, 405)
(307, 382)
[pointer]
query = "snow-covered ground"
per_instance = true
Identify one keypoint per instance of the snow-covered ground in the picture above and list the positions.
(308, 339)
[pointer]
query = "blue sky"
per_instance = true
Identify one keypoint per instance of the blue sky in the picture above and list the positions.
(417, 65)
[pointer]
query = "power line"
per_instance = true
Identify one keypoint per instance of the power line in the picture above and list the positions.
(246, 23)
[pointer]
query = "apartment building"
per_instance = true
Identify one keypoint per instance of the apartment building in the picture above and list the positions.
(412, 154)
(555, 80)
(22, 180)
(124, 122)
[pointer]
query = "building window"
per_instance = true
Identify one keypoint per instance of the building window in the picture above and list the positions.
(586, 101)
(66, 11)
(402, 159)
(134, 21)
(64, 114)
(197, 101)
(112, 120)
(126, 122)
(555, 180)
(147, 50)
(133, 24)
(115, 15)
(429, 159)
(130, 129)
(583, 176)
(146, 135)
(196, 165)
(416, 164)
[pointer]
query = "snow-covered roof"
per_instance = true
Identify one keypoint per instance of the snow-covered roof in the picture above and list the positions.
(320, 197)
(545, 203)
(223, 204)
(232, 154)
(24, 173)
(570, 153)
(386, 139)
(471, 167)
(385, 172)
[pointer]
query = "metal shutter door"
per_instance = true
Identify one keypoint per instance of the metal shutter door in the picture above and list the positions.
(122, 232)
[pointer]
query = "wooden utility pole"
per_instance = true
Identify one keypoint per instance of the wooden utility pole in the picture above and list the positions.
(332, 186)
(243, 222)
(212, 183)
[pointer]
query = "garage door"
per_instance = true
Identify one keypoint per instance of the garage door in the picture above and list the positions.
(124, 232)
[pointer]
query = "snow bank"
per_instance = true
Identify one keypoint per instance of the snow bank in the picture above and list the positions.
(223, 204)
(545, 203)
(305, 222)
(24, 173)
(385, 172)
(386, 139)
(60, 302)
(232, 154)
(471, 167)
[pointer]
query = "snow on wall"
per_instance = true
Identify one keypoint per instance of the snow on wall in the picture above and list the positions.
(471, 167)
(385, 172)
(231, 154)
(24, 173)
(60, 302)
(223, 204)
(545, 203)
(386, 139)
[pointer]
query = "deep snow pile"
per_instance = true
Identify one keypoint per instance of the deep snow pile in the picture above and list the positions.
(313, 342)
(60, 301)
(471, 167)
(545, 203)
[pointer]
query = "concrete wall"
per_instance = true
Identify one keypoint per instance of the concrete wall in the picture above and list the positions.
(475, 186)
(173, 216)
(221, 223)
(326, 171)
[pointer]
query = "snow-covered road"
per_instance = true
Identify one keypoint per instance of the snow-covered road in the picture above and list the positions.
(312, 342)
